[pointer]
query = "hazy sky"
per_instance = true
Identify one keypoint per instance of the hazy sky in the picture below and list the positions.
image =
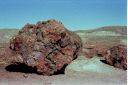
(75, 14)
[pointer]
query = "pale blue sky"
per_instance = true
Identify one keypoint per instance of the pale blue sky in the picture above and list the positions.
(75, 14)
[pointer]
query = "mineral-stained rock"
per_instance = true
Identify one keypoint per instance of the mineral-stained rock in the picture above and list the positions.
(98, 51)
(117, 56)
(47, 45)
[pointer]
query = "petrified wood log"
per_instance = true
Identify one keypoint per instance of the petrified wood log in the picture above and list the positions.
(117, 56)
(48, 46)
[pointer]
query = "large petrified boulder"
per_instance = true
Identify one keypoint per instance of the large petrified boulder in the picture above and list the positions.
(47, 46)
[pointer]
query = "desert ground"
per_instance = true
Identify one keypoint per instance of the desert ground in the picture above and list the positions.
(87, 69)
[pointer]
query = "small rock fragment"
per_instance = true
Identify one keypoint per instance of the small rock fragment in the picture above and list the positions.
(117, 57)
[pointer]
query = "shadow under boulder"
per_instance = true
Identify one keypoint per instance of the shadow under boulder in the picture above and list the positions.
(22, 68)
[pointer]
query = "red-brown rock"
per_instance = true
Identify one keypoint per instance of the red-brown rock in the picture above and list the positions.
(117, 56)
(98, 50)
(47, 45)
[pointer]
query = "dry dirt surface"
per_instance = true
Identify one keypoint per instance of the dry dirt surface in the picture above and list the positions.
(90, 78)
(82, 71)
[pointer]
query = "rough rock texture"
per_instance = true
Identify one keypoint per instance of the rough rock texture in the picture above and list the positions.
(47, 46)
(117, 56)
(99, 51)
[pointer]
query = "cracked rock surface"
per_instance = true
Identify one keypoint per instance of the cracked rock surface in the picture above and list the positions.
(117, 57)
(47, 46)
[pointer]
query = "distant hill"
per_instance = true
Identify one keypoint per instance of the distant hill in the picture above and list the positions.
(6, 34)
(117, 29)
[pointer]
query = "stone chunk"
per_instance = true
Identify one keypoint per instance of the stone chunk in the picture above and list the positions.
(117, 56)
(47, 45)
